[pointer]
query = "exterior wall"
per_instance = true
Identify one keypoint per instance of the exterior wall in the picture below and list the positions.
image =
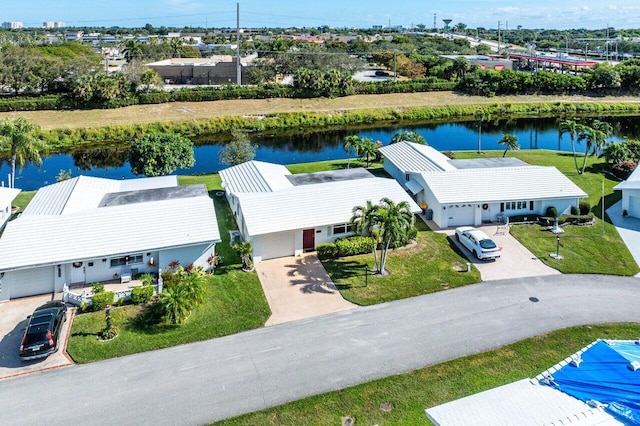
(197, 255)
(5, 214)
(627, 194)
(220, 73)
(395, 172)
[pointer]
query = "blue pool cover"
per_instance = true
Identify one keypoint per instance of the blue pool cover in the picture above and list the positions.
(605, 375)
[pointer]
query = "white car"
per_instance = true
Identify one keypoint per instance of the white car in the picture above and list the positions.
(478, 243)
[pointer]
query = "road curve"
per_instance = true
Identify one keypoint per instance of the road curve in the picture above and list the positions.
(207, 381)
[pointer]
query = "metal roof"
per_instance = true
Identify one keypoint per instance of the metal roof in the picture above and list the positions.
(7, 195)
(632, 182)
(93, 232)
(523, 403)
(413, 157)
(487, 163)
(316, 205)
(255, 176)
(86, 192)
(330, 176)
(501, 184)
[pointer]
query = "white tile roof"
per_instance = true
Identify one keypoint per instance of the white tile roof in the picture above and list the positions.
(315, 205)
(523, 403)
(501, 184)
(40, 239)
(7, 195)
(632, 182)
(85, 192)
(413, 157)
(255, 176)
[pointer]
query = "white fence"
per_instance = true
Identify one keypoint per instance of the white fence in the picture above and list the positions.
(86, 299)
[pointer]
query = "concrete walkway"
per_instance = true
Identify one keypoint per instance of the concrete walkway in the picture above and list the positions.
(298, 288)
(628, 228)
(206, 381)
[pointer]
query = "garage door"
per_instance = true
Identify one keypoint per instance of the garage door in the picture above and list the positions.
(634, 206)
(30, 282)
(270, 246)
(461, 215)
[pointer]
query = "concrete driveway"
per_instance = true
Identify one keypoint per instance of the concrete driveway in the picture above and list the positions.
(516, 260)
(13, 321)
(628, 228)
(297, 288)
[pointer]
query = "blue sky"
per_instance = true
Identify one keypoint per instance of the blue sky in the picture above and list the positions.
(359, 13)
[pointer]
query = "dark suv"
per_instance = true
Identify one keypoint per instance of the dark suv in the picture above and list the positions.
(43, 330)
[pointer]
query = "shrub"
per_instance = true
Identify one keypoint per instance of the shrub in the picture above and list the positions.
(327, 251)
(551, 212)
(140, 295)
(585, 207)
(352, 246)
(97, 288)
(574, 210)
(147, 279)
(101, 300)
(623, 169)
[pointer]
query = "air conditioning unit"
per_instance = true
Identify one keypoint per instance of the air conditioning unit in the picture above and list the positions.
(234, 237)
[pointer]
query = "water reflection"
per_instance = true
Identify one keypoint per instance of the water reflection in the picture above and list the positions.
(306, 145)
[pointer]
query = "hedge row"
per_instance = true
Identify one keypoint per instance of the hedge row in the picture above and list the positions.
(350, 246)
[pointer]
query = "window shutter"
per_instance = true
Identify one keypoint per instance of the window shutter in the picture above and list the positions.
(530, 205)
(501, 207)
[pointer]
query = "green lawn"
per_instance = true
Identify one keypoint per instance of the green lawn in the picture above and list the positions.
(23, 199)
(429, 266)
(234, 302)
(596, 249)
(411, 393)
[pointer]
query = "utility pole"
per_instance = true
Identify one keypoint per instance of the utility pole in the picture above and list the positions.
(498, 37)
(238, 65)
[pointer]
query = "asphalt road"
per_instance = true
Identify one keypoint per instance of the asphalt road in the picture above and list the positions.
(216, 379)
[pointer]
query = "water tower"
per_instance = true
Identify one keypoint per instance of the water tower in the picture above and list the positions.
(446, 24)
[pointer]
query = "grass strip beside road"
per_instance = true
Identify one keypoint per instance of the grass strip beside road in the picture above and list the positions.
(411, 393)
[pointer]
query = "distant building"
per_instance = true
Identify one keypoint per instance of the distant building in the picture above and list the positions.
(486, 62)
(12, 25)
(219, 69)
(51, 24)
(376, 27)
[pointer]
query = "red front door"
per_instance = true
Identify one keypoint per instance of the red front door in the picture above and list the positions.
(308, 239)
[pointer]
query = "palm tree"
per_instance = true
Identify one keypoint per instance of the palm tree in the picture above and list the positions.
(574, 129)
(605, 128)
(19, 137)
(593, 138)
(194, 287)
(510, 142)
(244, 250)
(481, 116)
(175, 303)
(364, 223)
(132, 49)
(176, 46)
(367, 149)
(395, 221)
(349, 145)
(149, 78)
(408, 136)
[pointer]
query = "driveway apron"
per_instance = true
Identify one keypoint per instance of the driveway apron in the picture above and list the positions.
(297, 288)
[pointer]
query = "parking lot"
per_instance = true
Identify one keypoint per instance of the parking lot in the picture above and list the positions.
(13, 321)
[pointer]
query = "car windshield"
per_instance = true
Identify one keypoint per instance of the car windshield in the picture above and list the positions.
(487, 244)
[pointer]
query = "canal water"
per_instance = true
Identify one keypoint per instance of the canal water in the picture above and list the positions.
(308, 146)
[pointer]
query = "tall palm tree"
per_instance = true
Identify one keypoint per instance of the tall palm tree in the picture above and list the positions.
(364, 223)
(482, 116)
(408, 136)
(593, 138)
(349, 145)
(20, 138)
(132, 49)
(509, 141)
(395, 222)
(573, 129)
(605, 128)
(367, 149)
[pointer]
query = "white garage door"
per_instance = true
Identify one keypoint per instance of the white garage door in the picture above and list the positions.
(634, 206)
(30, 282)
(461, 215)
(270, 246)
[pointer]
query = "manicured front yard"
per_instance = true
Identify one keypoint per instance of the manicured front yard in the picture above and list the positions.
(429, 266)
(410, 394)
(234, 302)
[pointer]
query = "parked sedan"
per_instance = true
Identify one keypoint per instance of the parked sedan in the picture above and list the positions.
(478, 243)
(42, 335)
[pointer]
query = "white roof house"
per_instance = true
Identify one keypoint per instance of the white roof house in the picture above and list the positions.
(7, 195)
(631, 193)
(472, 192)
(284, 214)
(91, 223)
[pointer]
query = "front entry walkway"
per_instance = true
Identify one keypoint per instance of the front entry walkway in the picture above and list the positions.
(297, 288)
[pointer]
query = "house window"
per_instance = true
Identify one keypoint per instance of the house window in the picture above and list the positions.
(126, 260)
(343, 228)
(516, 205)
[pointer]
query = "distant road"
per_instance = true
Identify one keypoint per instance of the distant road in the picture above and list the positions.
(206, 381)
